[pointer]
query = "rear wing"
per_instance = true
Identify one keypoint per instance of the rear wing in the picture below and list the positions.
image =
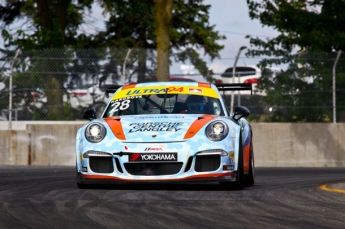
(235, 87)
(111, 89)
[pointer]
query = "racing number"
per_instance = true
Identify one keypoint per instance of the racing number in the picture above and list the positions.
(172, 89)
(120, 105)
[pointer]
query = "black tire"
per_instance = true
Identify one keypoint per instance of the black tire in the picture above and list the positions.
(79, 184)
(82, 186)
(251, 175)
(240, 179)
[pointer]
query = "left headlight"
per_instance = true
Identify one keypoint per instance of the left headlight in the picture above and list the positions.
(95, 132)
(217, 131)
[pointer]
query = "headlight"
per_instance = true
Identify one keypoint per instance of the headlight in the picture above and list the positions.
(95, 132)
(217, 131)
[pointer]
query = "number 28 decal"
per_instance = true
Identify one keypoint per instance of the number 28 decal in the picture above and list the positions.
(120, 105)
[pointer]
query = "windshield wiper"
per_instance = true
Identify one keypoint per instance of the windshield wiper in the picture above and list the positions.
(163, 111)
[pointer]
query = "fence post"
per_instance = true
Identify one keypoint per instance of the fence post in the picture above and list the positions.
(11, 91)
(334, 87)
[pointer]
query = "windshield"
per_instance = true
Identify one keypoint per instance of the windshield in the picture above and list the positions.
(164, 104)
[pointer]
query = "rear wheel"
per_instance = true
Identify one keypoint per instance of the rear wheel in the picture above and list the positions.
(240, 179)
(251, 175)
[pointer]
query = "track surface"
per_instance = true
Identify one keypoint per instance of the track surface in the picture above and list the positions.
(47, 197)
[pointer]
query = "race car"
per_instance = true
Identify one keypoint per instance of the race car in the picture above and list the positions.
(166, 132)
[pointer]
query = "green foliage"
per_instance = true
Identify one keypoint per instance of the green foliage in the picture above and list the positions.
(67, 113)
(316, 25)
(131, 24)
(53, 47)
(190, 27)
(311, 33)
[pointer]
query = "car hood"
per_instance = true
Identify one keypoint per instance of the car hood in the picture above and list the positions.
(157, 128)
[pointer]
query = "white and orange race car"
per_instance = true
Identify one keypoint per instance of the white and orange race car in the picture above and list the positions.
(166, 132)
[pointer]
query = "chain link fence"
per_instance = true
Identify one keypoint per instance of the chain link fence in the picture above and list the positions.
(56, 84)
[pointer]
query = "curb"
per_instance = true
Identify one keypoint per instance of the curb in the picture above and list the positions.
(338, 187)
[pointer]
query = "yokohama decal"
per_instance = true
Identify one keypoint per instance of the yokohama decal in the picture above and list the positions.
(153, 157)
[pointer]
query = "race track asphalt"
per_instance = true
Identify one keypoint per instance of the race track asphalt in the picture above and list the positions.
(47, 197)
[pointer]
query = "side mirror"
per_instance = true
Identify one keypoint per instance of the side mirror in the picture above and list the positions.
(90, 114)
(240, 112)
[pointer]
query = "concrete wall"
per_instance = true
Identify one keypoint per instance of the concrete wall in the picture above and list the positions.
(299, 144)
(275, 144)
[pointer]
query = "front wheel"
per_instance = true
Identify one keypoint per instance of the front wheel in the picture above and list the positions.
(79, 184)
(240, 177)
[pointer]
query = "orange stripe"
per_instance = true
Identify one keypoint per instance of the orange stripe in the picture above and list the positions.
(197, 125)
(200, 176)
(246, 157)
(204, 85)
(129, 86)
(116, 126)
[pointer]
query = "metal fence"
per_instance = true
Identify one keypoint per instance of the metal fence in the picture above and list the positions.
(55, 84)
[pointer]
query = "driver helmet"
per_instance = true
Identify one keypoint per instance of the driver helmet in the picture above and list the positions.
(196, 102)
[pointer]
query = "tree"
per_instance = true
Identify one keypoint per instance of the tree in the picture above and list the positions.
(132, 24)
(311, 33)
(54, 24)
(52, 27)
(163, 16)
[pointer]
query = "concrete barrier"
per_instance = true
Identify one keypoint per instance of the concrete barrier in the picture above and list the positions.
(299, 144)
(275, 144)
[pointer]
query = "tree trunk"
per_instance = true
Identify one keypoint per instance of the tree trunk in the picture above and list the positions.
(54, 92)
(54, 83)
(163, 15)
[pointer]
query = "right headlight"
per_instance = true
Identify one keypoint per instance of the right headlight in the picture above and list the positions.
(217, 130)
(95, 132)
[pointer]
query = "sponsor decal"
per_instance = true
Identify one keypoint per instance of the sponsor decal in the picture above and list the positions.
(231, 161)
(134, 92)
(232, 155)
(153, 149)
(163, 116)
(126, 98)
(153, 157)
(195, 90)
(155, 126)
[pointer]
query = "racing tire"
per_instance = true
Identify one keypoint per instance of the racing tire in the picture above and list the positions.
(251, 175)
(240, 179)
(82, 186)
(79, 184)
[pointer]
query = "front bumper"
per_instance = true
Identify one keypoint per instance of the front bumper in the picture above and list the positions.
(114, 169)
